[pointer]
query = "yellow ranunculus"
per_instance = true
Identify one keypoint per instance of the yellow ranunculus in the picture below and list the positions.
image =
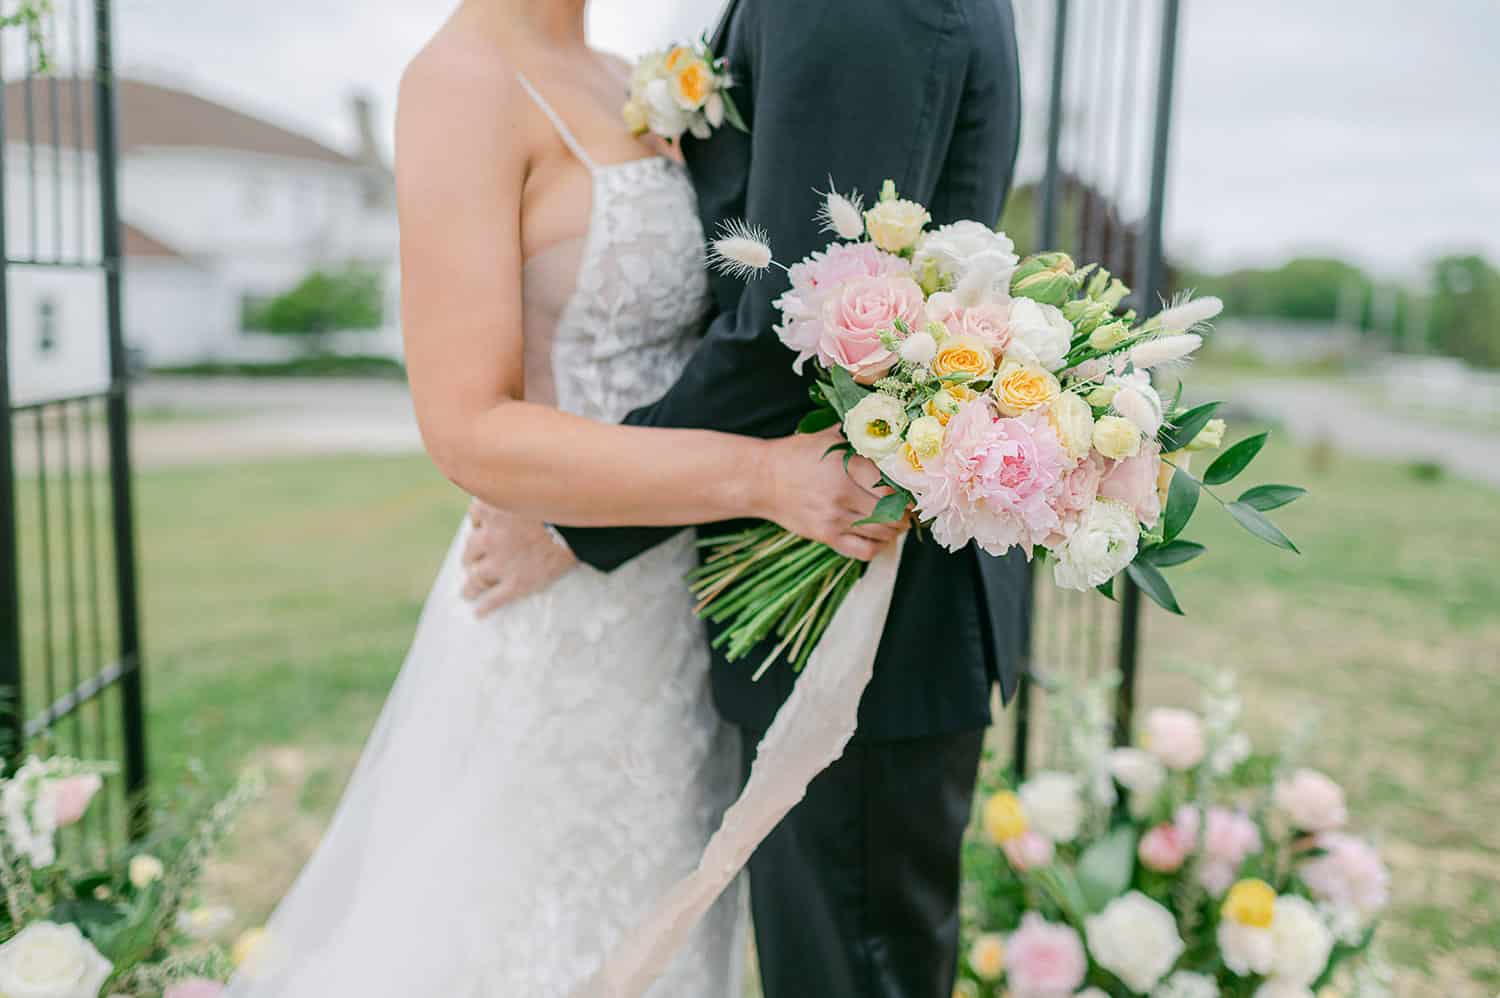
(987, 956)
(963, 355)
(635, 118)
(1116, 437)
(1004, 818)
(1019, 389)
(1251, 902)
(945, 404)
(925, 437)
(692, 84)
(895, 224)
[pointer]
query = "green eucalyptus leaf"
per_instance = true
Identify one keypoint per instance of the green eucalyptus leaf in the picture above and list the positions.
(818, 420)
(1235, 460)
(889, 509)
(1269, 497)
(1153, 584)
(1107, 589)
(1106, 867)
(1172, 553)
(850, 392)
(1182, 499)
(1185, 426)
(1252, 520)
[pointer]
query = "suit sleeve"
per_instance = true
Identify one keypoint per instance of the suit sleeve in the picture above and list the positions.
(858, 91)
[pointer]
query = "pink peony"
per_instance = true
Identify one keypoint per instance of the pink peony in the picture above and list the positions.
(1310, 801)
(1175, 737)
(1133, 481)
(1044, 960)
(1076, 493)
(195, 987)
(71, 797)
(815, 279)
(1030, 851)
(1228, 838)
(1348, 874)
(995, 481)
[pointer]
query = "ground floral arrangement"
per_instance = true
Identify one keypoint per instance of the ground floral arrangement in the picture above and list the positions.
(1190, 866)
(126, 927)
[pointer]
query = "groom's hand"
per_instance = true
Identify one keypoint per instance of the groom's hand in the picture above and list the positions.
(506, 558)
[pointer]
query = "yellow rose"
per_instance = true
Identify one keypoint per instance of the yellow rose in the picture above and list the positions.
(635, 117)
(945, 404)
(692, 84)
(1116, 437)
(1073, 421)
(1182, 459)
(895, 224)
(1004, 818)
(1211, 437)
(963, 355)
(1251, 902)
(1019, 389)
(925, 437)
(247, 945)
(987, 956)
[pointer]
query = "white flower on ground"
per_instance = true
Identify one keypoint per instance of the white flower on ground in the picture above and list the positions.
(145, 870)
(1175, 737)
(1105, 540)
(47, 960)
(1135, 939)
(1053, 803)
(874, 426)
(28, 804)
(987, 956)
(1186, 984)
(1302, 941)
(1140, 773)
(1040, 334)
(1245, 949)
(205, 922)
(1310, 801)
(1232, 751)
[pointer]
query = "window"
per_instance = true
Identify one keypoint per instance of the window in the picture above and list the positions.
(46, 327)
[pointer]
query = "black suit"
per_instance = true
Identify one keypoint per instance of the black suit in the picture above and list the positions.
(925, 93)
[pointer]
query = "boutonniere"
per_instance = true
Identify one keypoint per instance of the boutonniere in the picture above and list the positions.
(681, 89)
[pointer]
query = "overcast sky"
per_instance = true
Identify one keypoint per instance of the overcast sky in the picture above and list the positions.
(1366, 127)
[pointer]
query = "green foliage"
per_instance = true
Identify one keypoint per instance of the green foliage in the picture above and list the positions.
(1465, 309)
(30, 15)
(324, 302)
(1307, 288)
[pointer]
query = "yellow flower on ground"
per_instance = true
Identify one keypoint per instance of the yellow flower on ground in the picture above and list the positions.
(945, 404)
(247, 945)
(692, 84)
(1251, 902)
(987, 956)
(1019, 389)
(1116, 438)
(1004, 818)
(963, 355)
(894, 225)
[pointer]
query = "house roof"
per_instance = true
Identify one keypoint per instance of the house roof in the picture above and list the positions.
(154, 116)
(138, 244)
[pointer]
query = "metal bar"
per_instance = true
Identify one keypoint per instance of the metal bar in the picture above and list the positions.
(31, 194)
(45, 403)
(131, 688)
(1021, 752)
(44, 521)
(1130, 647)
(1115, 250)
(54, 107)
(70, 565)
(96, 621)
(56, 264)
(115, 672)
(11, 723)
(1085, 72)
(1098, 215)
(1047, 225)
(79, 170)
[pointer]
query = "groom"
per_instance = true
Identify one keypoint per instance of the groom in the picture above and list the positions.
(855, 895)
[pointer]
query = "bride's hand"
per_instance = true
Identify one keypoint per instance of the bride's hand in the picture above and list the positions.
(812, 495)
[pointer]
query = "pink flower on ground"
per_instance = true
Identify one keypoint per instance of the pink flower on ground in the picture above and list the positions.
(1310, 801)
(1044, 960)
(71, 797)
(1028, 852)
(1167, 846)
(1175, 737)
(1133, 481)
(995, 481)
(1228, 838)
(815, 279)
(195, 987)
(1349, 874)
(855, 315)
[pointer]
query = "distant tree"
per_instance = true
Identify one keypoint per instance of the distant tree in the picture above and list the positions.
(324, 302)
(1307, 288)
(1464, 318)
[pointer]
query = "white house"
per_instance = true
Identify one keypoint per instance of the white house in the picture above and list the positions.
(221, 210)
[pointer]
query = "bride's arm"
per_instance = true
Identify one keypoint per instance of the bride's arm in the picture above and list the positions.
(463, 136)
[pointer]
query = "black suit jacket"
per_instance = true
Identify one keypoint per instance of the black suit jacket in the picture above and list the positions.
(925, 93)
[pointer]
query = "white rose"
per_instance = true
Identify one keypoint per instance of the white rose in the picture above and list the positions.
(1277, 988)
(47, 960)
(874, 426)
(1053, 803)
(1103, 542)
(1135, 939)
(1302, 941)
(1040, 334)
(972, 257)
(663, 113)
(1140, 773)
(1175, 737)
(1311, 801)
(145, 870)
(1245, 949)
(1186, 984)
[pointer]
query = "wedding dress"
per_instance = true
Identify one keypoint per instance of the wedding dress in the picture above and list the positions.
(540, 778)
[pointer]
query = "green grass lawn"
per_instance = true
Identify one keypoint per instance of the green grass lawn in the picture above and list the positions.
(279, 599)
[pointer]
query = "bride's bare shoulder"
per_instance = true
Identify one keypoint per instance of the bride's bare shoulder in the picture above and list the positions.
(459, 87)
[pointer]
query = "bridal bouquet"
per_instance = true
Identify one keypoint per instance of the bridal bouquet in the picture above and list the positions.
(1188, 867)
(1007, 402)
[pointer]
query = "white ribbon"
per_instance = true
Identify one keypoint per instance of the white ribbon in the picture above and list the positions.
(810, 732)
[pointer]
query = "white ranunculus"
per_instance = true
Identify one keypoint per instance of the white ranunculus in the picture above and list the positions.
(874, 426)
(665, 116)
(30, 814)
(205, 922)
(47, 960)
(1176, 737)
(1302, 941)
(1040, 334)
(1140, 773)
(1310, 801)
(1186, 984)
(1245, 949)
(952, 247)
(1104, 541)
(1053, 803)
(1135, 939)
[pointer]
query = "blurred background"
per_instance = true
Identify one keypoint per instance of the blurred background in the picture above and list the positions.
(229, 575)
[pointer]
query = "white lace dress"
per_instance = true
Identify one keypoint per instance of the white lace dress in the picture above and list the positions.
(539, 778)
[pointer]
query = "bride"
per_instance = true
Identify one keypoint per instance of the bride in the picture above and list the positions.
(539, 776)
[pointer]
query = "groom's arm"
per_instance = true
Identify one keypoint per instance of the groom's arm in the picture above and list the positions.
(857, 90)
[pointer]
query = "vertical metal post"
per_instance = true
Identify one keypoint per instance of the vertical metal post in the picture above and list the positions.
(1021, 751)
(1047, 225)
(131, 685)
(12, 723)
(1150, 266)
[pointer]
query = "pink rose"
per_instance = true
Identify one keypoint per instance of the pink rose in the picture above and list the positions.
(988, 322)
(1349, 874)
(1311, 801)
(1166, 847)
(195, 987)
(1175, 737)
(1029, 851)
(814, 281)
(1044, 960)
(71, 797)
(857, 313)
(1133, 482)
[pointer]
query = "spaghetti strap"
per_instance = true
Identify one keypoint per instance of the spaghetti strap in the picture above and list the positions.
(563, 131)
